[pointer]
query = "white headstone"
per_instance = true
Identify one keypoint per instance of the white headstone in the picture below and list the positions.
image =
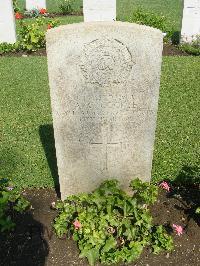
(104, 80)
(191, 20)
(7, 22)
(99, 10)
(38, 4)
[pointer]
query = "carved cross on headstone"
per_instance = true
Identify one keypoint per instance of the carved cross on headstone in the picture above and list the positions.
(104, 146)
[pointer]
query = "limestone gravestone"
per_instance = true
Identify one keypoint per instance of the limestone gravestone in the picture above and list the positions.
(99, 10)
(104, 81)
(7, 22)
(191, 20)
(38, 4)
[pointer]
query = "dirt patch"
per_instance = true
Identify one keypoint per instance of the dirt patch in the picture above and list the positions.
(34, 243)
(173, 50)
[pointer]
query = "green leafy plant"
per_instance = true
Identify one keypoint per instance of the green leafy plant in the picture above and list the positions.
(16, 6)
(66, 7)
(192, 48)
(7, 48)
(110, 225)
(10, 200)
(198, 210)
(32, 36)
(147, 18)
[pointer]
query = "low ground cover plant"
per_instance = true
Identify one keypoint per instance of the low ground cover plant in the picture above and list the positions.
(32, 36)
(143, 17)
(111, 226)
(66, 7)
(16, 6)
(10, 200)
(8, 47)
(192, 48)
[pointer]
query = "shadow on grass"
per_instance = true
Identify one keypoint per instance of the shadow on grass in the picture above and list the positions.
(47, 138)
(186, 189)
(26, 245)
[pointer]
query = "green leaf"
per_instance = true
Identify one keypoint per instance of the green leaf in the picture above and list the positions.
(91, 254)
(110, 244)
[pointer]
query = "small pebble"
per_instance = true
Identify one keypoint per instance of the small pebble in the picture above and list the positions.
(24, 55)
(167, 256)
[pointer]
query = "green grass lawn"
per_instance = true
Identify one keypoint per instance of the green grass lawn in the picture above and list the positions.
(172, 9)
(26, 123)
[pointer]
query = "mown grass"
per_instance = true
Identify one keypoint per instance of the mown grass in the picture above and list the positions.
(177, 136)
(172, 9)
(26, 123)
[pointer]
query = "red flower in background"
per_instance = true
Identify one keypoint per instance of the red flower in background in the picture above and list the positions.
(43, 11)
(18, 15)
(49, 27)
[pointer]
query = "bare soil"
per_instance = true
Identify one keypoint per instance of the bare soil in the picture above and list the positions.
(34, 243)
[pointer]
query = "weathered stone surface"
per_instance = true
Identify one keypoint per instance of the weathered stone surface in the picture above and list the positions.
(104, 81)
(191, 20)
(38, 4)
(7, 22)
(99, 10)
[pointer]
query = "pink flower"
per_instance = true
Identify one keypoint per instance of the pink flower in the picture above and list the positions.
(165, 186)
(77, 224)
(178, 229)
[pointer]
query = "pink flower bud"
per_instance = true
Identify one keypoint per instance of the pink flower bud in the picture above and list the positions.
(164, 185)
(77, 224)
(178, 229)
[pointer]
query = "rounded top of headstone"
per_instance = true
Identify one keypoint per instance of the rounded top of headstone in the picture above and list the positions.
(85, 27)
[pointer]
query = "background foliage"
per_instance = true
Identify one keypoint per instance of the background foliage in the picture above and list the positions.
(169, 8)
